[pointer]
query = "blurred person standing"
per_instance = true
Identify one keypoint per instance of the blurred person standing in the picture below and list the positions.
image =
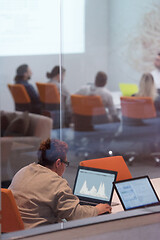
(156, 73)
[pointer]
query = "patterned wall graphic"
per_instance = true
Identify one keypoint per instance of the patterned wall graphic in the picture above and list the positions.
(134, 39)
(143, 47)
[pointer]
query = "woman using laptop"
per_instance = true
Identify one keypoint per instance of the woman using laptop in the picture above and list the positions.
(43, 196)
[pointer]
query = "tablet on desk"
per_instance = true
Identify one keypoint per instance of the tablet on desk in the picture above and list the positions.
(136, 193)
(93, 186)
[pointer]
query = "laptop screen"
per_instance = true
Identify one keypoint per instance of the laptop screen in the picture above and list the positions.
(94, 185)
(128, 89)
(135, 193)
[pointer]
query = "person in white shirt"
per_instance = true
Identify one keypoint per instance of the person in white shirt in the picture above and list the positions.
(156, 73)
(99, 89)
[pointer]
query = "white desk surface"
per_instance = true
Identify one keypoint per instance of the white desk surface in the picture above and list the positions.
(116, 99)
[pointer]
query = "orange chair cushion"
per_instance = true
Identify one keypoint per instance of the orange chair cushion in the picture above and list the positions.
(115, 163)
(48, 93)
(138, 107)
(11, 219)
(87, 105)
(19, 93)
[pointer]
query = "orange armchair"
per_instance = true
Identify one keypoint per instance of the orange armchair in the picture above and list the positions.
(134, 111)
(49, 95)
(87, 110)
(115, 163)
(138, 107)
(50, 100)
(11, 219)
(20, 96)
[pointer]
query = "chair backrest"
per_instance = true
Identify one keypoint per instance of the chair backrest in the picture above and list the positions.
(115, 163)
(48, 93)
(87, 105)
(138, 107)
(128, 89)
(19, 94)
(11, 219)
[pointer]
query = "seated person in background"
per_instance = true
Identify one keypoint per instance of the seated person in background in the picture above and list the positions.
(43, 196)
(23, 75)
(99, 89)
(156, 73)
(147, 89)
(54, 77)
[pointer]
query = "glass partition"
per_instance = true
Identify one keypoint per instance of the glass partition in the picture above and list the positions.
(30, 49)
(117, 51)
(85, 61)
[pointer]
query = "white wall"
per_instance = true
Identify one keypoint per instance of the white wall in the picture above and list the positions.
(81, 68)
(120, 39)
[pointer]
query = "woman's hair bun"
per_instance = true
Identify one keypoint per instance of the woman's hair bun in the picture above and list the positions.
(45, 145)
(48, 75)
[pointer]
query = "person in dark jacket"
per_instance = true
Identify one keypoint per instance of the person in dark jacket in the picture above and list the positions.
(23, 75)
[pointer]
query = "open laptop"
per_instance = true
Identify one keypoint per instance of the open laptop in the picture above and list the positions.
(93, 186)
(128, 89)
(136, 193)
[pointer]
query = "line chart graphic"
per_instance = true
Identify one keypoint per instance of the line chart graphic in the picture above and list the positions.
(93, 191)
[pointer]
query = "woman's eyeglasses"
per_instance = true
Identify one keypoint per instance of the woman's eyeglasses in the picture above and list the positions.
(65, 162)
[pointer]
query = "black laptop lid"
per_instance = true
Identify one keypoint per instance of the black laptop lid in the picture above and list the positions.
(94, 185)
(136, 192)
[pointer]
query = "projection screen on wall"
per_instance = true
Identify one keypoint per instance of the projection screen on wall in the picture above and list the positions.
(37, 27)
